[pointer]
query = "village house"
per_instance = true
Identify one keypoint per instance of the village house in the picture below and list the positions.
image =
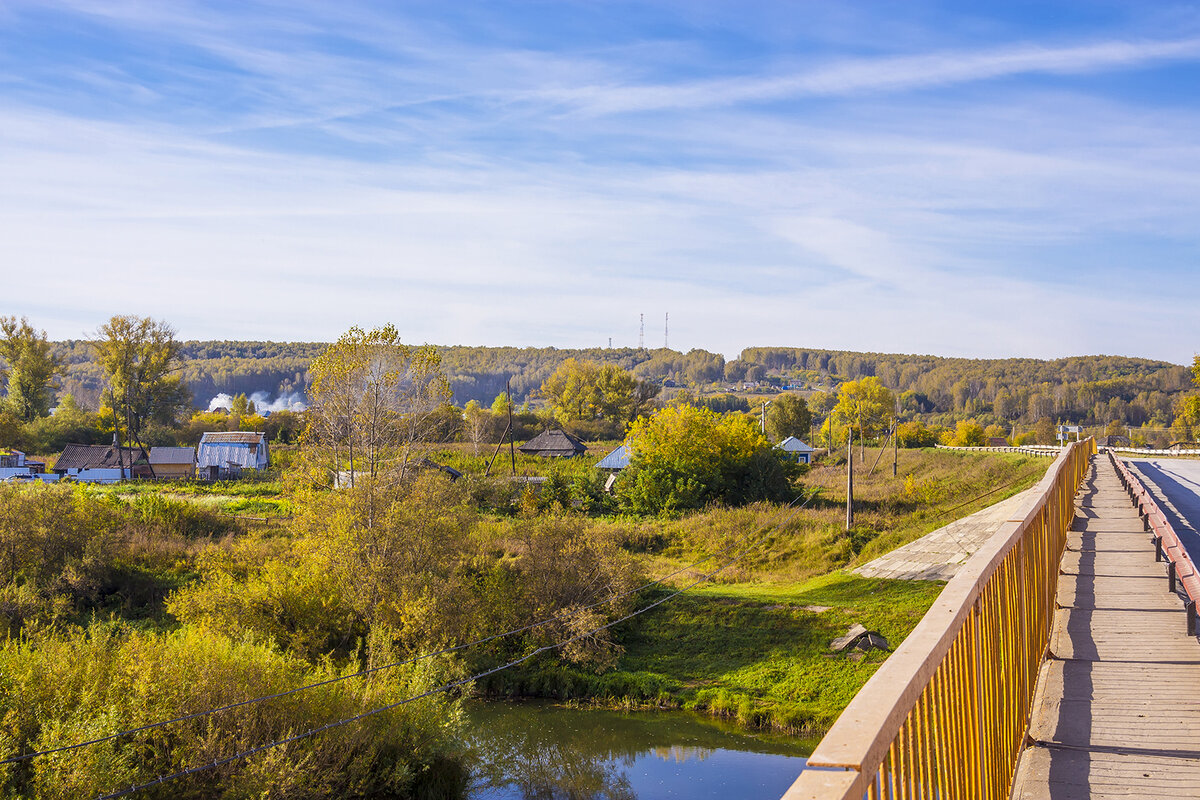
(797, 449)
(553, 444)
(224, 455)
(102, 463)
(14, 464)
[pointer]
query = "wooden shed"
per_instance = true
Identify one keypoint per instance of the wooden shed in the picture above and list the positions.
(173, 463)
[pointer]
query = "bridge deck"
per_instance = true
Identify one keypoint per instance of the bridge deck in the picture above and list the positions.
(1117, 709)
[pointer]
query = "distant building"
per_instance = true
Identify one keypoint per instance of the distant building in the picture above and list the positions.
(997, 441)
(224, 455)
(554, 444)
(102, 463)
(796, 449)
(173, 463)
(13, 463)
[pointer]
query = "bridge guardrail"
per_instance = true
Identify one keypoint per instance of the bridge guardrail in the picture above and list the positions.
(1180, 567)
(946, 715)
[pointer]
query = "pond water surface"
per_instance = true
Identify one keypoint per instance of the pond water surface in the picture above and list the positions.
(540, 750)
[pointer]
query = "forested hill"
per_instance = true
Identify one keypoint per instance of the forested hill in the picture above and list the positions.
(1132, 388)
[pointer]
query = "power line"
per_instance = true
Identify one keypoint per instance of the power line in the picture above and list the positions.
(445, 687)
(362, 673)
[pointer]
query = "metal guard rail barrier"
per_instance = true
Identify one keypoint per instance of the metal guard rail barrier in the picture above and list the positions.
(1180, 567)
(946, 715)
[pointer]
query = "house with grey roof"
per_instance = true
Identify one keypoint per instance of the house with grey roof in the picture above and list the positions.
(554, 444)
(224, 455)
(797, 449)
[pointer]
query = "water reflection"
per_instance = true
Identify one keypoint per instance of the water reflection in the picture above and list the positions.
(538, 751)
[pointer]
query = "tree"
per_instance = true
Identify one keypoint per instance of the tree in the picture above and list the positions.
(788, 415)
(477, 422)
(586, 390)
(241, 406)
(138, 356)
(30, 371)
(373, 402)
(686, 457)
(866, 404)
(968, 433)
(1045, 431)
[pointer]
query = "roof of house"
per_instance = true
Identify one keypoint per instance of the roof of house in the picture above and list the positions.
(793, 445)
(617, 459)
(173, 455)
(227, 454)
(98, 456)
(553, 443)
(232, 437)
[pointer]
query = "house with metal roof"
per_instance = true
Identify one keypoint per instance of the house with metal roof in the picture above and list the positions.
(102, 463)
(616, 461)
(223, 455)
(173, 463)
(553, 444)
(797, 449)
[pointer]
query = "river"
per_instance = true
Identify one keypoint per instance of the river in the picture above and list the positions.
(544, 751)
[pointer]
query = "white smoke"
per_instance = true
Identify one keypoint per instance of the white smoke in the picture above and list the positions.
(263, 404)
(291, 401)
(222, 400)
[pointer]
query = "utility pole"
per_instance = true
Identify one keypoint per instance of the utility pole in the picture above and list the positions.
(512, 447)
(849, 478)
(641, 331)
(762, 418)
(895, 448)
(666, 331)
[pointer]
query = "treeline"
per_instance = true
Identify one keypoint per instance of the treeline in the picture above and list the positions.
(1084, 389)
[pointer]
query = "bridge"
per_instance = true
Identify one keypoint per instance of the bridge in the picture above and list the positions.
(1059, 662)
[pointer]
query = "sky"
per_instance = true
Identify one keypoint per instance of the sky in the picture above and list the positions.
(984, 179)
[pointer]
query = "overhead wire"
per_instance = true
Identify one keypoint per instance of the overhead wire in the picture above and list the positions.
(370, 670)
(444, 687)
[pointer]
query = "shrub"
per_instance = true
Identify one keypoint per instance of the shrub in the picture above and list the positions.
(685, 457)
(62, 689)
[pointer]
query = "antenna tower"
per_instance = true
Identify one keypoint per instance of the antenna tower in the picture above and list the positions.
(667, 331)
(641, 331)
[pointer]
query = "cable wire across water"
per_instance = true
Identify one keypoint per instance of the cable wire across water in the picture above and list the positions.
(454, 684)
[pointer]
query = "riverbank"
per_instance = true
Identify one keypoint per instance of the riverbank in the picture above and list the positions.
(754, 646)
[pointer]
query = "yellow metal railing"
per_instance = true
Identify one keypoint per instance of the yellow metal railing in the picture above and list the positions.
(946, 714)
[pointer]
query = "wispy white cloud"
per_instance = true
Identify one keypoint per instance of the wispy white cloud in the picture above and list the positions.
(887, 74)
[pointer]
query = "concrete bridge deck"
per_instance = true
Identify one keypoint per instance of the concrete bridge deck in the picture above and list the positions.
(1117, 709)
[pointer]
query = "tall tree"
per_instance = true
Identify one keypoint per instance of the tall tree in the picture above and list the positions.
(139, 356)
(30, 370)
(586, 390)
(866, 404)
(373, 401)
(788, 415)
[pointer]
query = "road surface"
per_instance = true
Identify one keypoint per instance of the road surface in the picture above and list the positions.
(1175, 484)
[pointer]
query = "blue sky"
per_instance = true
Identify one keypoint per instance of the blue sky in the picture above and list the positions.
(979, 179)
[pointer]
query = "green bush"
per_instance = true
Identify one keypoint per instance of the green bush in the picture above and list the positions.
(61, 689)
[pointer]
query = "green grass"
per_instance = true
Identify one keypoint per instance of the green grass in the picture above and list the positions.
(760, 652)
